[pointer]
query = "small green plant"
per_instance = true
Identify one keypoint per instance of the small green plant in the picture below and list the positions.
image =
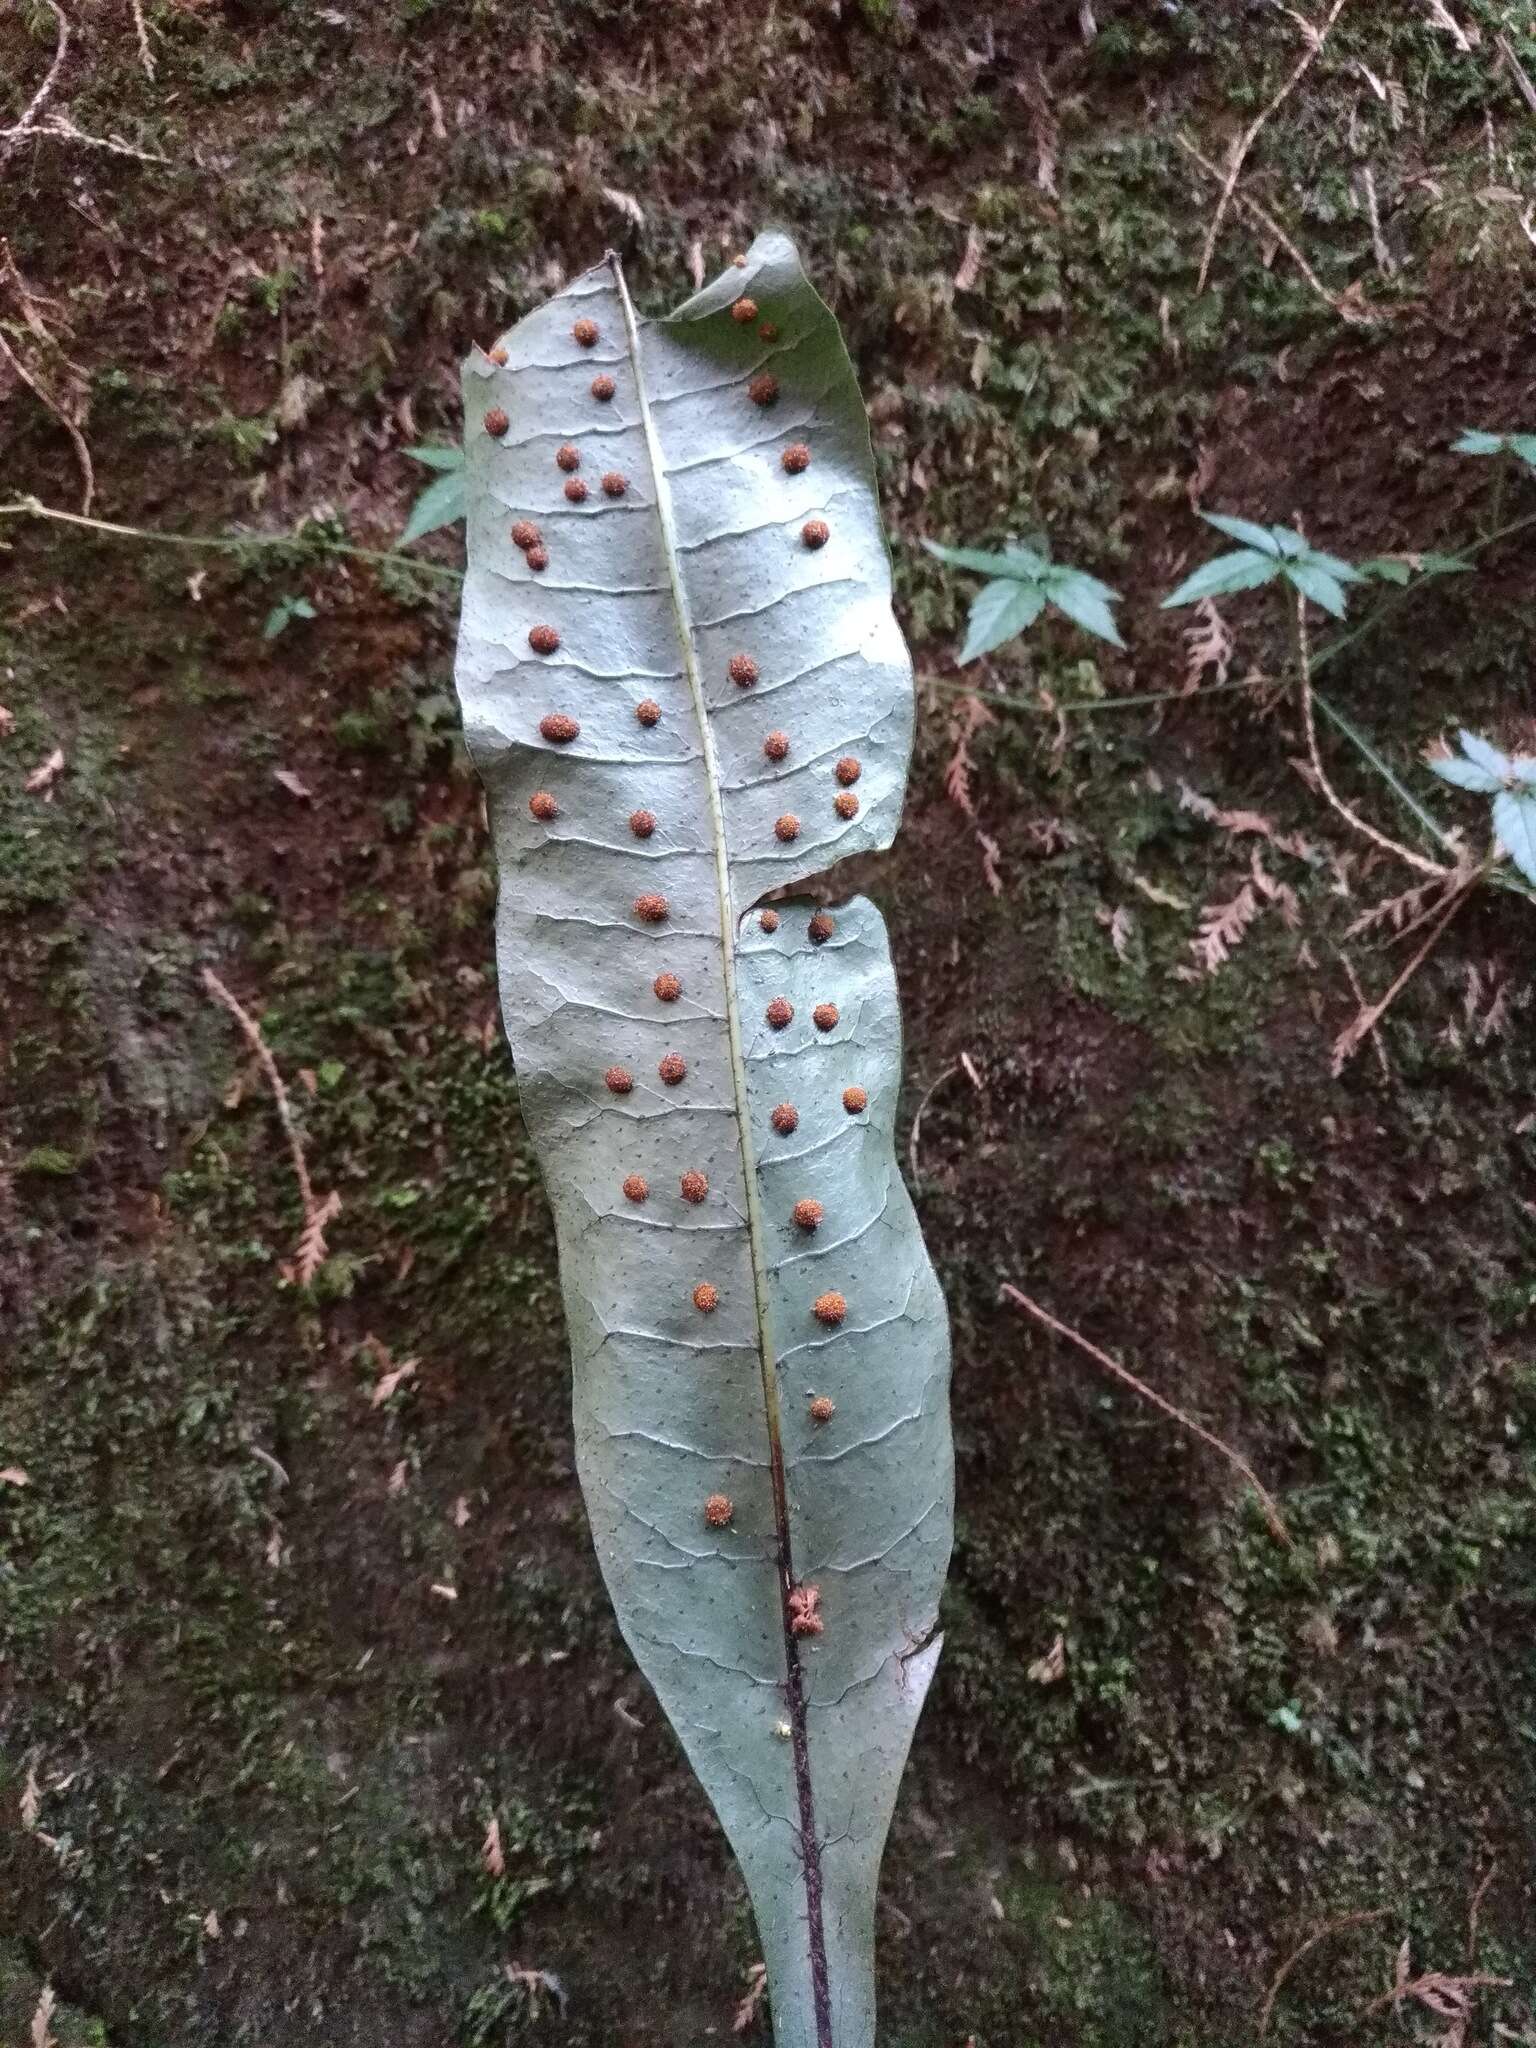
(1024, 580)
(1476, 441)
(1510, 779)
(283, 614)
(442, 502)
(1268, 554)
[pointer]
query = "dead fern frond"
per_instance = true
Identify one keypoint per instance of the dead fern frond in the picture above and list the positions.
(751, 2006)
(970, 717)
(1209, 643)
(1223, 927)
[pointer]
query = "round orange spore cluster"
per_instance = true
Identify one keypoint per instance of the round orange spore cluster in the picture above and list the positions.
(744, 311)
(498, 356)
(642, 823)
(615, 484)
(567, 457)
(807, 1214)
(785, 1118)
(559, 728)
(763, 390)
(780, 1011)
(776, 746)
(796, 457)
(787, 827)
(585, 332)
(693, 1187)
(768, 920)
(666, 988)
(848, 771)
(525, 534)
(618, 1080)
(742, 670)
(496, 423)
(846, 804)
(543, 805)
(648, 711)
(824, 1016)
(855, 1101)
(820, 928)
(636, 1187)
(543, 639)
(829, 1309)
(706, 1299)
(603, 388)
(537, 558)
(815, 533)
(823, 1408)
(575, 490)
(651, 909)
(672, 1067)
(718, 1510)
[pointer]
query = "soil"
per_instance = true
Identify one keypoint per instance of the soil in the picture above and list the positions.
(280, 1643)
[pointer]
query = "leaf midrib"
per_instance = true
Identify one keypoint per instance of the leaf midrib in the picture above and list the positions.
(756, 1235)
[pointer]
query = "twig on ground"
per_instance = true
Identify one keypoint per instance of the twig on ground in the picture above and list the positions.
(146, 57)
(1347, 1043)
(1517, 70)
(1272, 1513)
(53, 402)
(311, 1254)
(917, 1121)
(34, 508)
(1474, 1909)
(1321, 1934)
(1353, 314)
(11, 139)
(59, 127)
(1374, 1029)
(1316, 37)
(1421, 861)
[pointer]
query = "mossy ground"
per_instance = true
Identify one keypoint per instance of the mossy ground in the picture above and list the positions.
(276, 1654)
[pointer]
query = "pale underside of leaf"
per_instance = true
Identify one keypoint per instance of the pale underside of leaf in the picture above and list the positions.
(653, 590)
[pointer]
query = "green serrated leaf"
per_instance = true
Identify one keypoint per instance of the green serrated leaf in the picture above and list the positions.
(799, 1736)
(1318, 583)
(1086, 602)
(1252, 535)
(1514, 820)
(1474, 441)
(1387, 569)
(1000, 612)
(443, 455)
(440, 504)
(1245, 570)
(1464, 774)
(1289, 544)
(1015, 560)
(1485, 754)
(1340, 570)
(1524, 445)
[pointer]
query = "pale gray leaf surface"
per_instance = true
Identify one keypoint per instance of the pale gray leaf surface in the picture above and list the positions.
(653, 591)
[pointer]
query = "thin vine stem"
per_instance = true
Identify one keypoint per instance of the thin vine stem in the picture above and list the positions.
(232, 543)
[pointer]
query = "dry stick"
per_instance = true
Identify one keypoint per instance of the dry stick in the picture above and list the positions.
(1272, 1513)
(56, 411)
(1474, 1909)
(1299, 642)
(1322, 1934)
(145, 57)
(1375, 1033)
(12, 138)
(316, 1214)
(1347, 1043)
(1432, 1980)
(1316, 38)
(917, 1121)
(1352, 315)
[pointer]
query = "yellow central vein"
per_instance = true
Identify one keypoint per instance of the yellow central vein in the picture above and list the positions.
(755, 1232)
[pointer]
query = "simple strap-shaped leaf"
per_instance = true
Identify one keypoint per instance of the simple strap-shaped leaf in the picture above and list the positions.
(683, 683)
